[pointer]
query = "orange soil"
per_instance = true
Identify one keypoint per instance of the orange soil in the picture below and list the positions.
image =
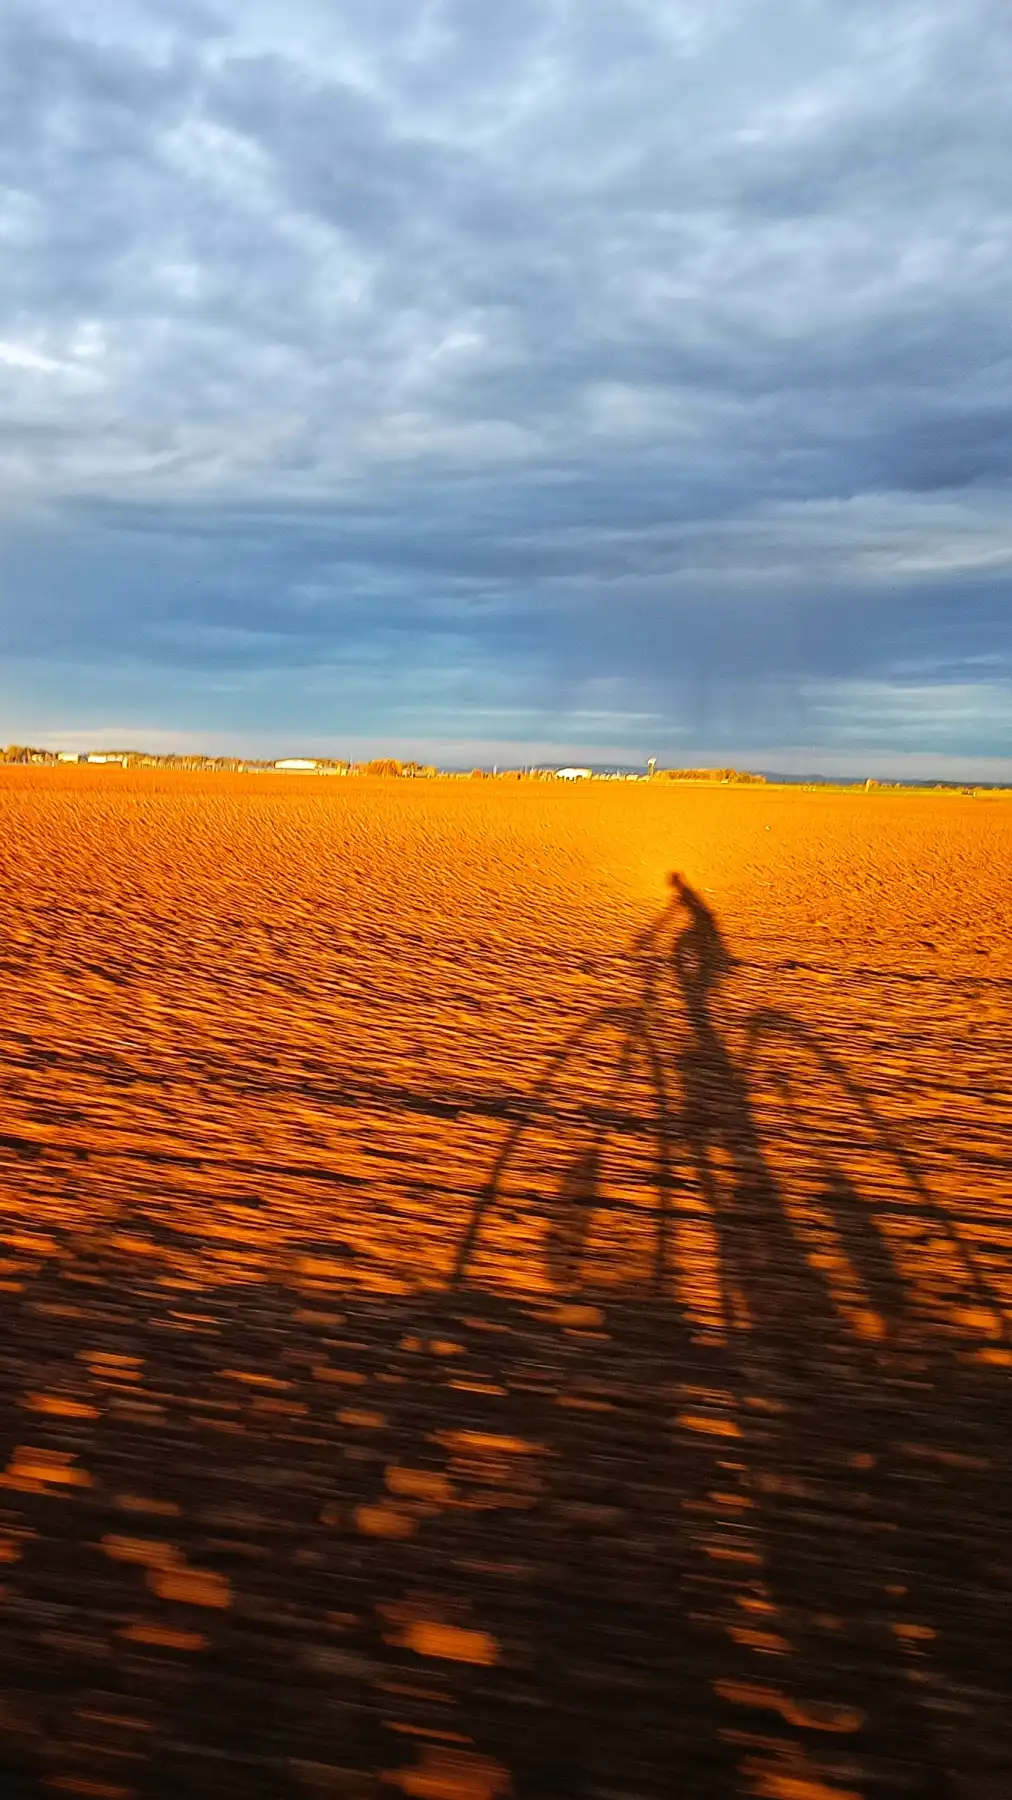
(279, 1027)
(702, 1457)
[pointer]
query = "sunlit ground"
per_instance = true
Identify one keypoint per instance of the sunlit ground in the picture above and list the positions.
(484, 1319)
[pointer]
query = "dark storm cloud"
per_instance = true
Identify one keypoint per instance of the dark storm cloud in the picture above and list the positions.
(643, 362)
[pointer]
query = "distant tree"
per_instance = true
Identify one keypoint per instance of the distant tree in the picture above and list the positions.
(26, 753)
(383, 765)
(727, 777)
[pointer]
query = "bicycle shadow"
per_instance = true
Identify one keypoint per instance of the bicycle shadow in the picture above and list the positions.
(831, 1357)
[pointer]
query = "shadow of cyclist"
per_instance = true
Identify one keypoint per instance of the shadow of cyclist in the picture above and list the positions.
(763, 1267)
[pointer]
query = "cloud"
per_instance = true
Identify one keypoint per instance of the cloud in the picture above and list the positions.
(605, 373)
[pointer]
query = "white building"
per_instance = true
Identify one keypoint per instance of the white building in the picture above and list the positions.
(573, 774)
(299, 763)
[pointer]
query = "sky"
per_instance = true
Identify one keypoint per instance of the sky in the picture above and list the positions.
(512, 382)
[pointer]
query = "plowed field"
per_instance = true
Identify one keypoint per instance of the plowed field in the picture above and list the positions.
(480, 1318)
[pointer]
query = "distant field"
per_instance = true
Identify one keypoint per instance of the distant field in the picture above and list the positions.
(480, 1320)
